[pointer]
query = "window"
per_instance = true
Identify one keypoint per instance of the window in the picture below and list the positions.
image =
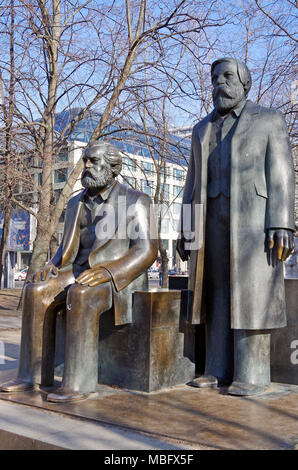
(39, 179)
(146, 187)
(62, 156)
(129, 181)
(57, 193)
(165, 244)
(176, 208)
(128, 164)
(163, 209)
(164, 191)
(145, 152)
(129, 148)
(177, 191)
(178, 174)
(147, 168)
(164, 226)
(175, 223)
(166, 171)
(60, 176)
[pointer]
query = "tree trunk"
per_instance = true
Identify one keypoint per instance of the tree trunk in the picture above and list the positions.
(40, 249)
(54, 245)
(164, 265)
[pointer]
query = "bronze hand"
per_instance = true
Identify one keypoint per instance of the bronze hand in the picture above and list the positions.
(94, 276)
(284, 241)
(43, 274)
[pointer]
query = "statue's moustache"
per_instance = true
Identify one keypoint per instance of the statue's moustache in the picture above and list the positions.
(221, 91)
(88, 173)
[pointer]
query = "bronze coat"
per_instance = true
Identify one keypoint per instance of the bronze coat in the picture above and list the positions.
(262, 197)
(125, 258)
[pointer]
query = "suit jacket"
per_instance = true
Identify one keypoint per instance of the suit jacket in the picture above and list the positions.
(117, 248)
(262, 197)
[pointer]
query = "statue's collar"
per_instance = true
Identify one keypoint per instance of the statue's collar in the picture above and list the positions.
(103, 193)
(236, 111)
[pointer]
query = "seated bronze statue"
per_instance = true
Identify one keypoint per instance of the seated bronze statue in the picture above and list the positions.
(105, 251)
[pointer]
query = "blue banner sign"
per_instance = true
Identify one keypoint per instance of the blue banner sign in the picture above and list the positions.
(19, 231)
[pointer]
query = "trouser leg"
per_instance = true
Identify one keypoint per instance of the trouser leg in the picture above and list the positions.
(251, 362)
(219, 336)
(83, 307)
(38, 324)
(34, 308)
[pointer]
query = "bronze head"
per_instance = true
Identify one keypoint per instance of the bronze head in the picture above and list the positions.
(102, 163)
(231, 82)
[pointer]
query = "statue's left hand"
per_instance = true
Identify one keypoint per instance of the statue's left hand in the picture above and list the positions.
(284, 240)
(93, 277)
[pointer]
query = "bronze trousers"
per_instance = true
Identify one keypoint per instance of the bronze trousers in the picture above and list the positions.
(84, 304)
(231, 355)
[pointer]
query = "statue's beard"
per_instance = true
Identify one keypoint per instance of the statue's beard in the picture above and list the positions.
(90, 180)
(225, 99)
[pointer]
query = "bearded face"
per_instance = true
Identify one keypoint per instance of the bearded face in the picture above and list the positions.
(93, 180)
(228, 91)
(97, 173)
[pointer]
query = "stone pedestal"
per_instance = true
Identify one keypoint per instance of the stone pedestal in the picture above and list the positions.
(155, 351)
(284, 341)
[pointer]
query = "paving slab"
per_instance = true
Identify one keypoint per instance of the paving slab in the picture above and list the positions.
(201, 418)
(26, 428)
(178, 416)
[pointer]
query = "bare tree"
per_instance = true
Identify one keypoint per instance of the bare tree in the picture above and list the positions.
(7, 115)
(284, 18)
(81, 54)
(61, 66)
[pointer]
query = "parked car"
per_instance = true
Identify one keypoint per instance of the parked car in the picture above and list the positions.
(20, 275)
(172, 272)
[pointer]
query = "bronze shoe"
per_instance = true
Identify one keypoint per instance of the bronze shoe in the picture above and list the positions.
(204, 381)
(66, 395)
(243, 389)
(16, 385)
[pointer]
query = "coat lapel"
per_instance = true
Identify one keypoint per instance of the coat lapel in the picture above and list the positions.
(204, 136)
(72, 226)
(249, 111)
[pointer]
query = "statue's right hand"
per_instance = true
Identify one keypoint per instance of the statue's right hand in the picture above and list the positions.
(184, 254)
(43, 274)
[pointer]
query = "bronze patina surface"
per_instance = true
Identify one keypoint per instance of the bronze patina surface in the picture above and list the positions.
(241, 178)
(156, 350)
(108, 243)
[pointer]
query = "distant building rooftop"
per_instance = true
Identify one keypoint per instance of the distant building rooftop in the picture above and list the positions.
(132, 142)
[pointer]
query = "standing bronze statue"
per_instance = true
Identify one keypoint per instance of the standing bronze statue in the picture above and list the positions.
(241, 174)
(105, 251)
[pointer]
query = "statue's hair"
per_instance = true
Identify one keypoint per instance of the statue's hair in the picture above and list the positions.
(111, 154)
(242, 70)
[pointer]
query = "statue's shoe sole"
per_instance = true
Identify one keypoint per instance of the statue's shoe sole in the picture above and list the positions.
(245, 389)
(15, 386)
(204, 381)
(67, 398)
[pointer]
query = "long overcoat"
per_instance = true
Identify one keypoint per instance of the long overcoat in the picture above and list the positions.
(262, 197)
(125, 244)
